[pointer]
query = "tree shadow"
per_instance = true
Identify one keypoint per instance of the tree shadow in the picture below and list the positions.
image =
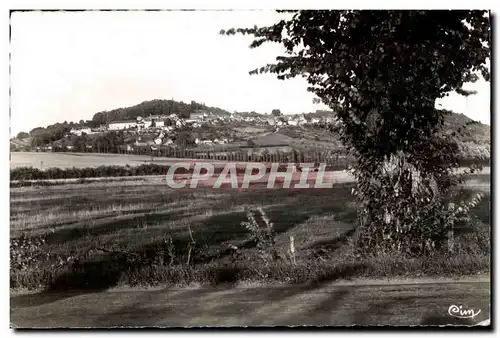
(99, 219)
(96, 272)
(213, 234)
(149, 316)
(38, 299)
(99, 227)
(94, 275)
(344, 271)
(332, 244)
(242, 300)
(101, 273)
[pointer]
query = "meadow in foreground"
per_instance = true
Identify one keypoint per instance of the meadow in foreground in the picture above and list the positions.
(104, 234)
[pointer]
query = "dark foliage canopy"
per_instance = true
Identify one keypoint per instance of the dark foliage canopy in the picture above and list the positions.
(381, 71)
(154, 107)
(276, 112)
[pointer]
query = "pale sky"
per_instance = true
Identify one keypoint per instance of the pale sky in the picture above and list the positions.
(71, 65)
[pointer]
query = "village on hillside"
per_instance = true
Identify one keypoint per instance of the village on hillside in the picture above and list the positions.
(201, 128)
(210, 131)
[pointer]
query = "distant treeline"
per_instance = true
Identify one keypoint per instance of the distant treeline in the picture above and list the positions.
(30, 173)
(154, 107)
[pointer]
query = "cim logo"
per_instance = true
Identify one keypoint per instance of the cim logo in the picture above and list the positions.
(459, 312)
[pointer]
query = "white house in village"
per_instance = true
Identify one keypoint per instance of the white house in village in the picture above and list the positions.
(202, 141)
(197, 117)
(122, 125)
(301, 119)
(168, 141)
(80, 131)
(147, 123)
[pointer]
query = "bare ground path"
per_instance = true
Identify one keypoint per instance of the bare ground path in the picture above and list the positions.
(382, 302)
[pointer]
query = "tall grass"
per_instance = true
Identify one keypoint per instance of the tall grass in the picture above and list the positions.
(142, 235)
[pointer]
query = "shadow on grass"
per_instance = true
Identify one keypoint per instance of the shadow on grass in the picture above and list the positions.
(31, 300)
(94, 276)
(110, 224)
(340, 272)
(82, 278)
(332, 243)
(189, 306)
(214, 232)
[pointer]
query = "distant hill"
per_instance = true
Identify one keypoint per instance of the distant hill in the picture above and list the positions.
(303, 135)
(156, 107)
(477, 132)
(20, 144)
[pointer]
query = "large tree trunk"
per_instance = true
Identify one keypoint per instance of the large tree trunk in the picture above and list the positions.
(401, 208)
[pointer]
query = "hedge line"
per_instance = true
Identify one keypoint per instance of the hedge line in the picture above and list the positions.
(30, 173)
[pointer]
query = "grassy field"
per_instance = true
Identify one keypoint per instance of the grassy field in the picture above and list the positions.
(105, 234)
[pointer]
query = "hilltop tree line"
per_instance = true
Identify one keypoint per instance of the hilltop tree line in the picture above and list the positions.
(154, 107)
(42, 136)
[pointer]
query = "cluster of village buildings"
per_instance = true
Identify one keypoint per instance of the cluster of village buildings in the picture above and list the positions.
(196, 120)
(154, 129)
(149, 122)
